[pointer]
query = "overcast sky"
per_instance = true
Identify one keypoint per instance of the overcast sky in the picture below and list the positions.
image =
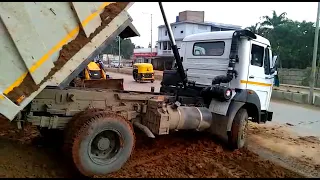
(237, 13)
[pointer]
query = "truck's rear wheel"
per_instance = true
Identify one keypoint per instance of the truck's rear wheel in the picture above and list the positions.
(238, 135)
(69, 131)
(102, 144)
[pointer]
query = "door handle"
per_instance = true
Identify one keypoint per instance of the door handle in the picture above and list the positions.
(268, 77)
(251, 77)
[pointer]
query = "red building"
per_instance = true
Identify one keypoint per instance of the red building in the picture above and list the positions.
(144, 55)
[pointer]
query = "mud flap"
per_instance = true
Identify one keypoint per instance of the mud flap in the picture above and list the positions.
(232, 111)
(221, 124)
(219, 107)
(266, 116)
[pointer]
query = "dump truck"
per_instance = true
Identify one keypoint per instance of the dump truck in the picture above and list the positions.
(216, 88)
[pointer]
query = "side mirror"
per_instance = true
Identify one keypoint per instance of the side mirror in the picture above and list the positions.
(274, 61)
(274, 65)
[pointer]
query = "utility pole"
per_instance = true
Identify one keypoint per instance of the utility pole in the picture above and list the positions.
(151, 41)
(314, 58)
(119, 54)
(151, 34)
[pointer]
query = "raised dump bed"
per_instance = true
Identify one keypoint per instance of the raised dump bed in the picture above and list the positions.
(49, 43)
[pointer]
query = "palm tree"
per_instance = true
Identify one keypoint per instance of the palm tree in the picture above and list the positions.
(275, 20)
(253, 28)
(257, 29)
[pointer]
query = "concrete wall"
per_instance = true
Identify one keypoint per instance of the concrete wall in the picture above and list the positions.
(179, 31)
(197, 28)
(176, 30)
(195, 16)
(298, 77)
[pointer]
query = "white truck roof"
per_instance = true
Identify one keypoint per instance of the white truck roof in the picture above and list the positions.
(219, 35)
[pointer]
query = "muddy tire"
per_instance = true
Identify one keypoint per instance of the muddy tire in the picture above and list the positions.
(101, 143)
(69, 130)
(238, 135)
(77, 82)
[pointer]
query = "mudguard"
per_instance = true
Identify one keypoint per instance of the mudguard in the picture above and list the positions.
(252, 101)
(222, 122)
(232, 111)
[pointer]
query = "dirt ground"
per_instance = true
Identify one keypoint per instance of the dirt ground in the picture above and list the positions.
(279, 144)
(182, 154)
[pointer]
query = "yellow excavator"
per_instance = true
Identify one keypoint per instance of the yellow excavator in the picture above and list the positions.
(94, 71)
(94, 76)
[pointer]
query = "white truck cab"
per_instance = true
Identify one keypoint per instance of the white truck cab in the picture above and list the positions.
(230, 74)
(206, 56)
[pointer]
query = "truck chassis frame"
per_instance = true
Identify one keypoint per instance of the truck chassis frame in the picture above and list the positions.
(74, 110)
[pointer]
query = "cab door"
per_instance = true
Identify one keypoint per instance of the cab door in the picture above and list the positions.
(259, 78)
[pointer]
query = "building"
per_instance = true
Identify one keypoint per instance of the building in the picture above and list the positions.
(187, 23)
(144, 55)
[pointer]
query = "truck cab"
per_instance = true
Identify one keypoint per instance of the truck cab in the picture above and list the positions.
(206, 56)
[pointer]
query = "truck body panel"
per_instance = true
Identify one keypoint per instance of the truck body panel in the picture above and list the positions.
(33, 36)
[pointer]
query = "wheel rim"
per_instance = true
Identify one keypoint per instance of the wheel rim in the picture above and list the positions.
(105, 146)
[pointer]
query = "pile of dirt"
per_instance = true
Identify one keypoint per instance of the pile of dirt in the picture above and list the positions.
(186, 155)
(9, 130)
(69, 50)
(181, 154)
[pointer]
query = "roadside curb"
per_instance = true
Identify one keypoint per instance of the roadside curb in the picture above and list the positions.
(293, 96)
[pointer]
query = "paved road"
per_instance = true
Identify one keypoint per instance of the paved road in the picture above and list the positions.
(131, 85)
(305, 119)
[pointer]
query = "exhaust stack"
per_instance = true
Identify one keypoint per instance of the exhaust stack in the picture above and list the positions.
(174, 47)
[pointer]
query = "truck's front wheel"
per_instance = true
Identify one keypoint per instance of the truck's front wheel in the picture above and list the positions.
(238, 135)
(102, 144)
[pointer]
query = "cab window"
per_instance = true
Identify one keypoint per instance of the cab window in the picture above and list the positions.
(208, 48)
(257, 55)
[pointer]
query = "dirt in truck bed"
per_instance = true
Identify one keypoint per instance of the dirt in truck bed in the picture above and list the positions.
(28, 86)
(182, 154)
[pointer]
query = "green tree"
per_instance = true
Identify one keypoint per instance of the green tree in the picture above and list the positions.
(126, 48)
(274, 20)
(257, 29)
(292, 40)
